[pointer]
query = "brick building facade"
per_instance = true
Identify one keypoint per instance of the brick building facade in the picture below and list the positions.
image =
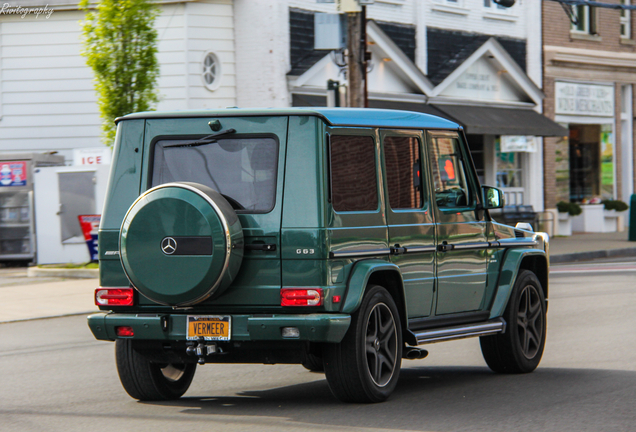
(588, 75)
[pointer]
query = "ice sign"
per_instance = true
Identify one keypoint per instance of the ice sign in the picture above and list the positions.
(13, 173)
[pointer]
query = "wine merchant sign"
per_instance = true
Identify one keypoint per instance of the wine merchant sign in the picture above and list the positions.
(584, 99)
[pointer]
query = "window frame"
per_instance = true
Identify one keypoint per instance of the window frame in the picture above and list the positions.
(490, 5)
(214, 85)
(472, 181)
(588, 20)
(361, 132)
(423, 159)
(625, 21)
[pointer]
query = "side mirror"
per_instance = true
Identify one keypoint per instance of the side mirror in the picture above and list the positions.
(492, 197)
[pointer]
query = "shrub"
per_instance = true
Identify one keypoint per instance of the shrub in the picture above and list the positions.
(573, 209)
(617, 205)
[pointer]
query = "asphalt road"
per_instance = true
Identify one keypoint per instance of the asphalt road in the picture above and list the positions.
(55, 377)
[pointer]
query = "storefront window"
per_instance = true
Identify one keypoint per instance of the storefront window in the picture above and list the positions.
(508, 168)
(476, 145)
(607, 162)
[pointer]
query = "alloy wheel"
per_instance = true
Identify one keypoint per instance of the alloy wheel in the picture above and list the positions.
(381, 344)
(530, 321)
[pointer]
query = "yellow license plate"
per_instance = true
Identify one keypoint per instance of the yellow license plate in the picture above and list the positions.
(216, 328)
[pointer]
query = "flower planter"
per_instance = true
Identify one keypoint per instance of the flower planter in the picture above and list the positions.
(610, 221)
(564, 224)
(614, 221)
(595, 218)
(592, 219)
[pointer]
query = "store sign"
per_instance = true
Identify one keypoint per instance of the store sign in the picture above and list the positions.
(482, 81)
(91, 156)
(13, 173)
(584, 99)
(90, 228)
(514, 143)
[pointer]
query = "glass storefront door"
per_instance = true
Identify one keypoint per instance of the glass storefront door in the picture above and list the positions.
(591, 162)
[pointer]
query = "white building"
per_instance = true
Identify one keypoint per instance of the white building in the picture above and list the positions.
(47, 98)
(468, 60)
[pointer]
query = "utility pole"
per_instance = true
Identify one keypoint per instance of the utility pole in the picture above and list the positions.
(357, 55)
(355, 60)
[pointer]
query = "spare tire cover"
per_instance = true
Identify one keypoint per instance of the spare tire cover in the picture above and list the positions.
(181, 243)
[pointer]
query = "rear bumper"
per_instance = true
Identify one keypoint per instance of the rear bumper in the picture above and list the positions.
(172, 327)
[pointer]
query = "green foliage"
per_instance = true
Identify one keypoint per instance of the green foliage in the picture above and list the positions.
(617, 205)
(573, 209)
(120, 45)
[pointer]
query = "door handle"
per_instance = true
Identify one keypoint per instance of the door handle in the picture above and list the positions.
(445, 247)
(397, 250)
(260, 247)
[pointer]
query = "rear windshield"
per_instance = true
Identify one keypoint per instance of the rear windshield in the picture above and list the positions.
(243, 170)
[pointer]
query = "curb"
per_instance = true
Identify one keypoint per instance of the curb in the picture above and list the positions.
(586, 256)
(63, 273)
(70, 314)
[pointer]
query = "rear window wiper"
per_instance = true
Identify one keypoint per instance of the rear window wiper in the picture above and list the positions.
(205, 140)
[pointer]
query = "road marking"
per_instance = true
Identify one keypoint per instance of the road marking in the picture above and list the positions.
(593, 269)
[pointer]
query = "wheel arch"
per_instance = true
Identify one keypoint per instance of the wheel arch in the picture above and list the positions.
(516, 260)
(538, 265)
(371, 272)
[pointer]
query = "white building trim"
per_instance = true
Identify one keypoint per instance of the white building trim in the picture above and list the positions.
(492, 50)
(405, 65)
(387, 58)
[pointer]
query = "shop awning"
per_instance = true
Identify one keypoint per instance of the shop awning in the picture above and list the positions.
(478, 120)
(484, 120)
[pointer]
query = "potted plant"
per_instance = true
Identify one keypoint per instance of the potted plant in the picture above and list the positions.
(565, 211)
(591, 218)
(614, 219)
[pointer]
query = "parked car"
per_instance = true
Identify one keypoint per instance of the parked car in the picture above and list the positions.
(340, 239)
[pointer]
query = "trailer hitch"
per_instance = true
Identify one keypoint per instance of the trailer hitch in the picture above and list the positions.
(202, 348)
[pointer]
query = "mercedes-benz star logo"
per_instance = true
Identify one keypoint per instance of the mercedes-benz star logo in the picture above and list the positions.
(169, 245)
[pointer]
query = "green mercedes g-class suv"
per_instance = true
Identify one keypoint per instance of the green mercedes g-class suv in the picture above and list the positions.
(340, 239)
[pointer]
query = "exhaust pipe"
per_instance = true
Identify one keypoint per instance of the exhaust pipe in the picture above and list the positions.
(412, 353)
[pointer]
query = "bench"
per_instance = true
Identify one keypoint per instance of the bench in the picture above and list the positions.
(510, 215)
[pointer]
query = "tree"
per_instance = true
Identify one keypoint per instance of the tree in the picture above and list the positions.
(120, 45)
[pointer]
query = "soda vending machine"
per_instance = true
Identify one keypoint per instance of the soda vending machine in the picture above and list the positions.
(17, 229)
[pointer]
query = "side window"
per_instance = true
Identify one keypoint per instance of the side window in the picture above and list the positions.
(452, 188)
(353, 173)
(403, 172)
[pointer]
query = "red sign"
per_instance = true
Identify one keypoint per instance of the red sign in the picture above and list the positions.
(90, 228)
(13, 173)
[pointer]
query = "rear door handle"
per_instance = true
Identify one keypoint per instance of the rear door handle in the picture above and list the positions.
(261, 247)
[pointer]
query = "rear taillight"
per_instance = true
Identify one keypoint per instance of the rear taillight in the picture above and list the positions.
(301, 297)
(124, 331)
(114, 297)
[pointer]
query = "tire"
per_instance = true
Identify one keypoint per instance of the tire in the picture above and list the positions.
(520, 348)
(365, 366)
(312, 362)
(149, 381)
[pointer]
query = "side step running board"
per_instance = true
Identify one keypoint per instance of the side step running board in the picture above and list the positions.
(460, 332)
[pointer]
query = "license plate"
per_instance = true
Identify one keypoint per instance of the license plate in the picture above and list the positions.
(216, 328)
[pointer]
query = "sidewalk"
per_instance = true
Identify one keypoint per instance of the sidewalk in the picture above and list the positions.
(27, 296)
(588, 246)
(24, 298)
